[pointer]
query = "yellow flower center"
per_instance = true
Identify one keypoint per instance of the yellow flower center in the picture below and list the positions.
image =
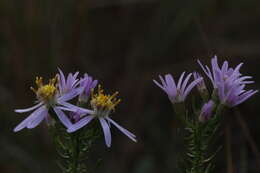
(103, 101)
(45, 92)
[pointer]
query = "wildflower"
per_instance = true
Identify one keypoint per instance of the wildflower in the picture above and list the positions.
(87, 83)
(177, 93)
(201, 85)
(49, 96)
(206, 111)
(102, 106)
(233, 94)
(229, 83)
(224, 72)
(68, 85)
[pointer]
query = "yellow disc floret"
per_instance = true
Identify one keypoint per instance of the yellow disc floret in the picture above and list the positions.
(45, 92)
(102, 101)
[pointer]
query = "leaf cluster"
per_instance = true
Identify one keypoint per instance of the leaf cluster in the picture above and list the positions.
(73, 148)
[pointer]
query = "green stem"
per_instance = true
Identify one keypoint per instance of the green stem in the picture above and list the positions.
(199, 140)
(75, 153)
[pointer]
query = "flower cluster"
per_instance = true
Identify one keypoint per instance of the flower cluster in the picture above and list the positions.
(177, 93)
(228, 83)
(53, 99)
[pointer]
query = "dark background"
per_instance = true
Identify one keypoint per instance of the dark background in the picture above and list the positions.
(125, 44)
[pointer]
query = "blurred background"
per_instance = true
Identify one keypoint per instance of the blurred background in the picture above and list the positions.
(125, 44)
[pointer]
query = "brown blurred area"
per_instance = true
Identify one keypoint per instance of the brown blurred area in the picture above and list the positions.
(125, 44)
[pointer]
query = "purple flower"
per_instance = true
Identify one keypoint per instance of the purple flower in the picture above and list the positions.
(177, 93)
(48, 96)
(234, 93)
(228, 82)
(87, 83)
(201, 85)
(225, 73)
(206, 111)
(69, 84)
(102, 105)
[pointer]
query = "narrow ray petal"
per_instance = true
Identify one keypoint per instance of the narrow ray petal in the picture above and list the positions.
(180, 81)
(24, 123)
(62, 117)
(123, 130)
(191, 86)
(81, 123)
(29, 109)
(106, 131)
(38, 119)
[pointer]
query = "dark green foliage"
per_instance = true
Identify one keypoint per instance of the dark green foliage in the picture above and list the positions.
(199, 141)
(74, 147)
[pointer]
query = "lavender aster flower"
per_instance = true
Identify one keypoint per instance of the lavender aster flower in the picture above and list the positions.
(48, 96)
(201, 85)
(87, 83)
(226, 73)
(206, 111)
(228, 82)
(68, 85)
(233, 94)
(177, 93)
(102, 105)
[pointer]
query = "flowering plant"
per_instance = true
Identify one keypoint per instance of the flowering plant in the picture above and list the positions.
(68, 105)
(202, 121)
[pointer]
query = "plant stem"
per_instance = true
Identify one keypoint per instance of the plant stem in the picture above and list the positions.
(75, 153)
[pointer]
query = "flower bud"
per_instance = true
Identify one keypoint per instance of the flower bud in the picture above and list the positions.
(201, 86)
(87, 83)
(206, 111)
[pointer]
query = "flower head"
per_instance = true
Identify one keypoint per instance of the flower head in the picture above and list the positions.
(201, 86)
(102, 104)
(206, 111)
(87, 83)
(177, 93)
(45, 93)
(48, 97)
(233, 93)
(66, 85)
(228, 82)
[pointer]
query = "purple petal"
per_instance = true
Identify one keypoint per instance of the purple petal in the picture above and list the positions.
(230, 94)
(191, 86)
(238, 68)
(203, 68)
(123, 130)
(221, 90)
(210, 75)
(159, 85)
(70, 80)
(70, 95)
(245, 96)
(224, 68)
(84, 121)
(185, 83)
(63, 118)
(29, 109)
(76, 108)
(62, 79)
(38, 119)
(65, 108)
(106, 131)
(180, 81)
(162, 80)
(172, 90)
(24, 123)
